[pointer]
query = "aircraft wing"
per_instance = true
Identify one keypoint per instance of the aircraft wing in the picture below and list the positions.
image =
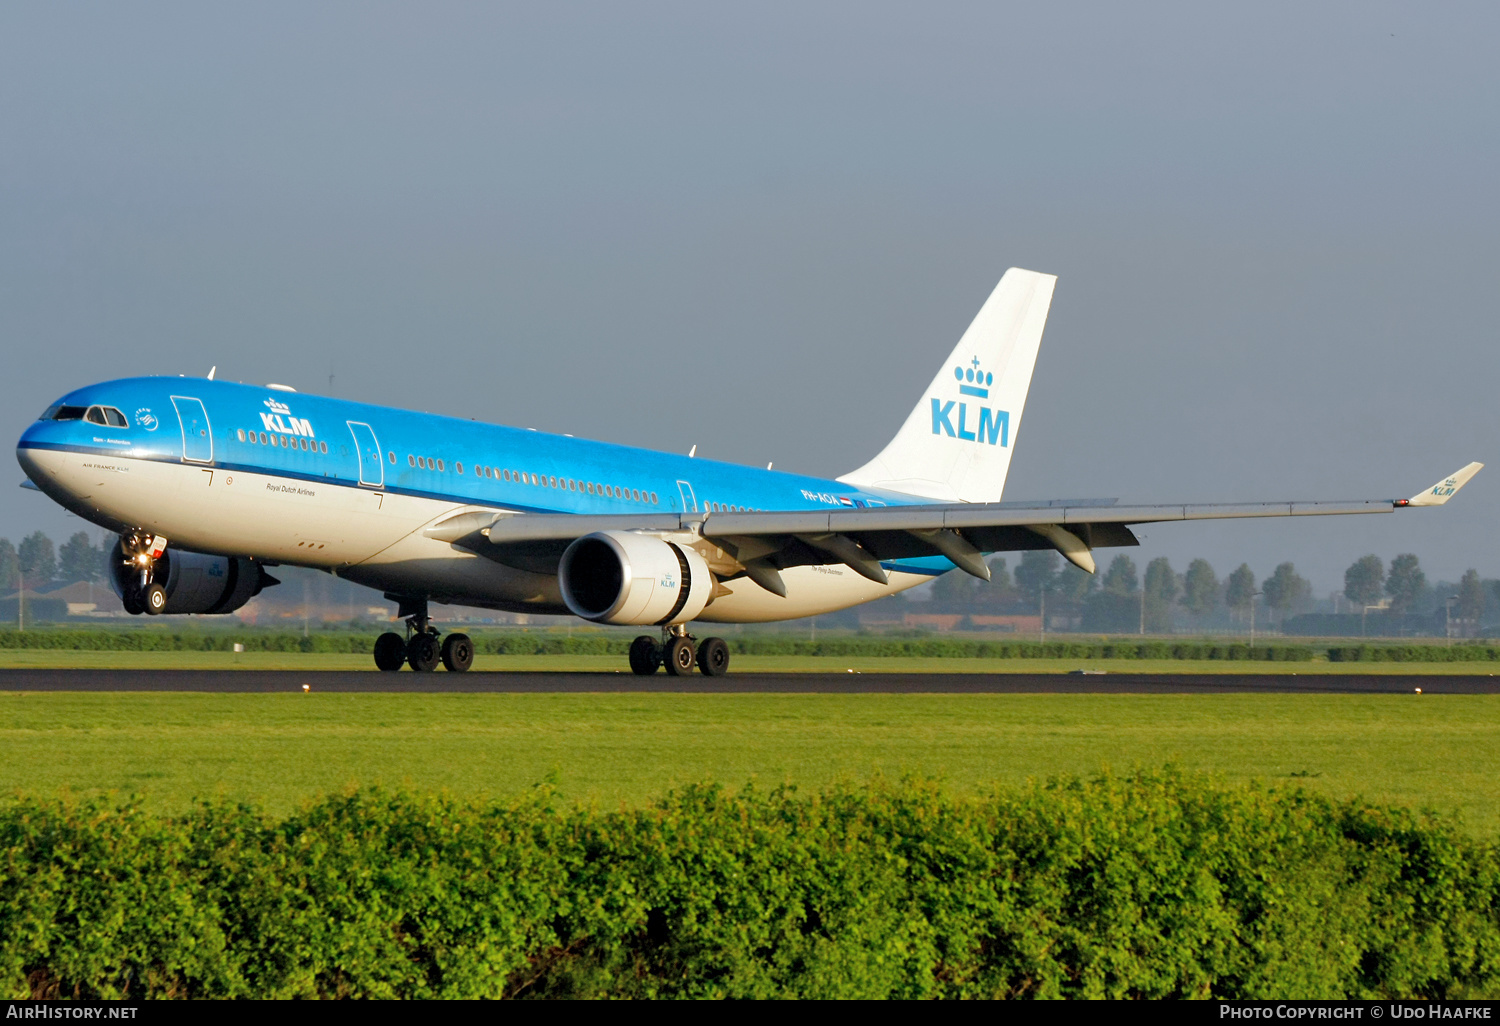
(759, 544)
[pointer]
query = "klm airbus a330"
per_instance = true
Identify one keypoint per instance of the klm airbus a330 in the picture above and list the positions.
(208, 482)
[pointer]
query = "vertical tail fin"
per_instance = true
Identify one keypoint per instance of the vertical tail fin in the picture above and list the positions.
(956, 444)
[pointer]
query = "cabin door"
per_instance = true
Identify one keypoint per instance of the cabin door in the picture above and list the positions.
(197, 435)
(371, 466)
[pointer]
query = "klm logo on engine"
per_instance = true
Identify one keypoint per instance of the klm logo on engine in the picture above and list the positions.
(980, 423)
(290, 426)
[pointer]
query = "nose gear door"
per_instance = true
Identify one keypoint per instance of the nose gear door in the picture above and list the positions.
(371, 466)
(197, 435)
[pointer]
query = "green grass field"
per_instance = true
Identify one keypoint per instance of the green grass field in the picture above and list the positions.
(277, 750)
(126, 660)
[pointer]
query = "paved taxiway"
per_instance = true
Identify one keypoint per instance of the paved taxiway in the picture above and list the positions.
(265, 682)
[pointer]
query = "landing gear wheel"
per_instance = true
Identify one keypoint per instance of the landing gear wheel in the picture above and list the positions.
(679, 656)
(458, 653)
(422, 653)
(133, 604)
(390, 652)
(645, 656)
(154, 598)
(713, 657)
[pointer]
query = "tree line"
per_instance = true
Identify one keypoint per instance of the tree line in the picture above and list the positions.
(1120, 598)
(36, 562)
(1114, 600)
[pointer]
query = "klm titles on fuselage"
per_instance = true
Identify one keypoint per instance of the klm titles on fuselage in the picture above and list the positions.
(291, 426)
(992, 427)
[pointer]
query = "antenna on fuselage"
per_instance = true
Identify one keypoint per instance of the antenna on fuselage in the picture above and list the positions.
(693, 451)
(211, 371)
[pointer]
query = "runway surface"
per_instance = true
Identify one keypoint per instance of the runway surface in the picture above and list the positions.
(269, 682)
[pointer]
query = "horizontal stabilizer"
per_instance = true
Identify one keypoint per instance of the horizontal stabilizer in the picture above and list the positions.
(1446, 488)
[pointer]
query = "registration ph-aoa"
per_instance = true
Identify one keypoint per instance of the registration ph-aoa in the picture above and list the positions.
(209, 483)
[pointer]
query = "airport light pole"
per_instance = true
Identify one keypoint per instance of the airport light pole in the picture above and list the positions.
(1253, 596)
(1448, 617)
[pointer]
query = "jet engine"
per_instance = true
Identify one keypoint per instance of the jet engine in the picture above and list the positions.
(621, 577)
(195, 583)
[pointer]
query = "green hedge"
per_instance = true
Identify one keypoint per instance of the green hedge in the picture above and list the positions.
(589, 643)
(971, 649)
(1414, 654)
(546, 643)
(1154, 885)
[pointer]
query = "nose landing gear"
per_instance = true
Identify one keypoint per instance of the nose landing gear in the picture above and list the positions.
(678, 654)
(139, 553)
(420, 649)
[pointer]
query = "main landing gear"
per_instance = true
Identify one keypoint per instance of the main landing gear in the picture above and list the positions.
(677, 653)
(140, 591)
(421, 648)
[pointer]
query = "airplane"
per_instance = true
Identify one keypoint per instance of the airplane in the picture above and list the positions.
(209, 482)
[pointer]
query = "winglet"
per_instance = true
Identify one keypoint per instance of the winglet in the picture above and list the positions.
(1444, 489)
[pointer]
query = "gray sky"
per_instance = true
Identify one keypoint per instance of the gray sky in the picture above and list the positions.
(760, 229)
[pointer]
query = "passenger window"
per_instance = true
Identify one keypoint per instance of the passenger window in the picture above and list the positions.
(391, 456)
(458, 468)
(440, 464)
(323, 448)
(411, 461)
(241, 433)
(653, 499)
(263, 438)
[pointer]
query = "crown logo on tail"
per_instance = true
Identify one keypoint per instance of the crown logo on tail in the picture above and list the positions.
(973, 381)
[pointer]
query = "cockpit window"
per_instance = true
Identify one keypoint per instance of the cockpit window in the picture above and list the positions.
(61, 412)
(106, 415)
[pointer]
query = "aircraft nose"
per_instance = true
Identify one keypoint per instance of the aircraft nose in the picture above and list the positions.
(33, 445)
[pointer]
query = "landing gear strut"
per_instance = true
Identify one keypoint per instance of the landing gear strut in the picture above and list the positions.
(140, 592)
(678, 654)
(420, 649)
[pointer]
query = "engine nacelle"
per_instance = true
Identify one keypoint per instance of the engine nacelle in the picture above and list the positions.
(195, 583)
(621, 577)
